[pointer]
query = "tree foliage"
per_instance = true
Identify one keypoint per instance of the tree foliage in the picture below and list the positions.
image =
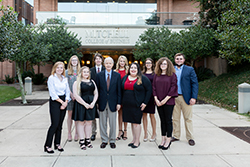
(234, 32)
(157, 42)
(211, 10)
(198, 42)
(63, 43)
(195, 42)
(8, 39)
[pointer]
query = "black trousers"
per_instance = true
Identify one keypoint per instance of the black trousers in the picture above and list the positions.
(56, 116)
(165, 113)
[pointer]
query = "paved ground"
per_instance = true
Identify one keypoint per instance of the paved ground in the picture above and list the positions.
(24, 129)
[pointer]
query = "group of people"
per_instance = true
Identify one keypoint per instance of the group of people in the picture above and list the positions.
(101, 92)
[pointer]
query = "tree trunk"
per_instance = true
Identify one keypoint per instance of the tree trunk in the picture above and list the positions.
(192, 63)
(20, 83)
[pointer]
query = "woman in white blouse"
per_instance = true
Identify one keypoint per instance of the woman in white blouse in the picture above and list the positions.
(59, 97)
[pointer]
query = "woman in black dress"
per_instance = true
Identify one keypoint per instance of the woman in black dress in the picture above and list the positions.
(86, 94)
(148, 71)
(137, 91)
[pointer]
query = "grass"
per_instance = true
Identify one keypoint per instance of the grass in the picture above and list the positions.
(7, 93)
(222, 91)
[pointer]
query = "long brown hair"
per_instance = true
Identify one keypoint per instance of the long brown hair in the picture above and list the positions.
(170, 67)
(145, 68)
(53, 71)
(70, 67)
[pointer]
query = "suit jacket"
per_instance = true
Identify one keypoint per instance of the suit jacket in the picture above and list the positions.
(113, 95)
(189, 83)
(142, 92)
(93, 72)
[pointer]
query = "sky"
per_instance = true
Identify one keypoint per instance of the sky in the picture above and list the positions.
(30, 2)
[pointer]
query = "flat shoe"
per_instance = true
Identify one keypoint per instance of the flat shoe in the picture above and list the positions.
(152, 140)
(130, 144)
(133, 146)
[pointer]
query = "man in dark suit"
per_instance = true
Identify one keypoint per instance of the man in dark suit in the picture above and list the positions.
(109, 102)
(94, 70)
(187, 94)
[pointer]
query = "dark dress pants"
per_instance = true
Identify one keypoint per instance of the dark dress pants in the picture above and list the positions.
(57, 116)
(165, 113)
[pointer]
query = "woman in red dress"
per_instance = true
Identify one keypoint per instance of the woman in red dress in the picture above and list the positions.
(122, 69)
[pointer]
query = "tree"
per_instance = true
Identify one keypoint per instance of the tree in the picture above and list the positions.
(234, 32)
(28, 47)
(195, 42)
(63, 43)
(211, 10)
(156, 43)
(198, 42)
(8, 39)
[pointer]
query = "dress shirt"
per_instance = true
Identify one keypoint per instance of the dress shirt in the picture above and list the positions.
(106, 74)
(96, 68)
(58, 88)
(178, 74)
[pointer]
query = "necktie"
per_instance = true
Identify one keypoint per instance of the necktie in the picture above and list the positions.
(98, 70)
(108, 83)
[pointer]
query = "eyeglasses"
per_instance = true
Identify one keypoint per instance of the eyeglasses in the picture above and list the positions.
(164, 64)
(148, 63)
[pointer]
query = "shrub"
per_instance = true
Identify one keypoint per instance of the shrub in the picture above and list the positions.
(204, 73)
(39, 79)
(8, 79)
(27, 74)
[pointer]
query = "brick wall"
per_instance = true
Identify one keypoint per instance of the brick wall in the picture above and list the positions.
(6, 68)
(175, 6)
(44, 5)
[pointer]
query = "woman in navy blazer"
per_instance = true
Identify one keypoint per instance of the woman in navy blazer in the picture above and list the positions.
(137, 90)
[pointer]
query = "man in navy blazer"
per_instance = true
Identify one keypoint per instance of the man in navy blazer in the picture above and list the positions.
(187, 94)
(109, 101)
(94, 71)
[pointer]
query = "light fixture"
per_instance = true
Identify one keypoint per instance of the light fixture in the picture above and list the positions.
(126, 1)
(88, 62)
(83, 62)
(75, 1)
(113, 1)
(140, 62)
(87, 1)
(129, 62)
(65, 62)
(136, 61)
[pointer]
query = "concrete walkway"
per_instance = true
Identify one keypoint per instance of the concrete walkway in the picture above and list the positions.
(23, 131)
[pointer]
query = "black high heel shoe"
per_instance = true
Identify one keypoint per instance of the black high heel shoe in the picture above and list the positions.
(160, 146)
(88, 143)
(82, 144)
(165, 148)
(121, 136)
(59, 149)
(46, 150)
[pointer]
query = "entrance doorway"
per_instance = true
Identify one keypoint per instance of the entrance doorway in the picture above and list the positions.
(88, 55)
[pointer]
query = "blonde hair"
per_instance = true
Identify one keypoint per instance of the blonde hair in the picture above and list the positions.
(79, 79)
(118, 63)
(170, 67)
(53, 71)
(70, 67)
